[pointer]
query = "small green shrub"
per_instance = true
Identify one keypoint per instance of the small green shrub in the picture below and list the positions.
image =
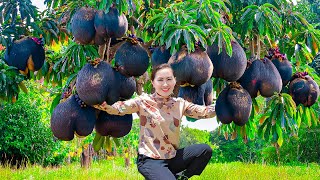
(24, 137)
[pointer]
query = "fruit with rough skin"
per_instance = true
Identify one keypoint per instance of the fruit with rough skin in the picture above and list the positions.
(193, 68)
(113, 125)
(234, 104)
(132, 59)
(226, 67)
(95, 84)
(82, 25)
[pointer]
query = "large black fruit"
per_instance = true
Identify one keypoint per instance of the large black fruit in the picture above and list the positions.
(99, 23)
(160, 55)
(68, 117)
(100, 37)
(127, 85)
(226, 67)
(200, 95)
(193, 94)
(194, 68)
(113, 125)
(303, 89)
(26, 54)
(95, 84)
(261, 77)
(82, 25)
(234, 104)
(250, 79)
(282, 64)
(132, 59)
(270, 79)
(116, 25)
(208, 93)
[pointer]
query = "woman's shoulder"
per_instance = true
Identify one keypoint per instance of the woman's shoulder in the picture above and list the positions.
(178, 99)
(145, 96)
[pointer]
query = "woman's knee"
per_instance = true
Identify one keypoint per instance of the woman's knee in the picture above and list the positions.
(206, 149)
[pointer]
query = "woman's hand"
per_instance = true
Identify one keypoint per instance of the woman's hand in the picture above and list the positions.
(100, 106)
(103, 104)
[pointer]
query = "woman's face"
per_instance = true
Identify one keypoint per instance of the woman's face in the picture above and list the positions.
(164, 82)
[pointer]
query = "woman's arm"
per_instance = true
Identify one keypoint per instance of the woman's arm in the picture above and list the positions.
(121, 107)
(199, 111)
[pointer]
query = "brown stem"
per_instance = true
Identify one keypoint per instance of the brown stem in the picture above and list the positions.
(146, 47)
(101, 51)
(132, 29)
(252, 49)
(140, 82)
(235, 85)
(108, 50)
(258, 47)
(1, 18)
(137, 21)
(63, 29)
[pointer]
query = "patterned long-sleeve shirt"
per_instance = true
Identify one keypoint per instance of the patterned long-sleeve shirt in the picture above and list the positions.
(160, 120)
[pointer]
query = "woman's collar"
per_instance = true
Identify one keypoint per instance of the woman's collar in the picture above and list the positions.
(157, 97)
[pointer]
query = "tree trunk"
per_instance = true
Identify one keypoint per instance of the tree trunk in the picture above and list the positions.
(258, 47)
(252, 56)
(127, 157)
(86, 156)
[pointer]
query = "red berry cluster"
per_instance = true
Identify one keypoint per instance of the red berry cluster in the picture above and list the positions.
(275, 53)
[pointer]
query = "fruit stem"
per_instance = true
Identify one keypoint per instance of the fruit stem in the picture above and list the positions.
(102, 49)
(108, 50)
(235, 85)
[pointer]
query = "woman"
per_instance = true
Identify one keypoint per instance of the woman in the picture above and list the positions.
(160, 120)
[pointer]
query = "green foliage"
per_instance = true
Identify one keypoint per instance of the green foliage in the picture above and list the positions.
(236, 150)
(12, 9)
(10, 79)
(189, 136)
(73, 58)
(278, 119)
(310, 9)
(296, 150)
(187, 23)
(24, 136)
(121, 5)
(261, 20)
(16, 18)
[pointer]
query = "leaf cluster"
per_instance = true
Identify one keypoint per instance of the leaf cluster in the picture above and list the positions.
(188, 23)
(10, 79)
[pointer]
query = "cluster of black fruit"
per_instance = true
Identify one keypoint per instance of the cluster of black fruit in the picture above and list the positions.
(91, 26)
(234, 103)
(194, 70)
(99, 82)
(27, 54)
(248, 79)
(68, 118)
(95, 84)
(303, 89)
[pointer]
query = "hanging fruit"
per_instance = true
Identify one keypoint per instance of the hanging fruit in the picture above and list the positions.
(303, 89)
(193, 68)
(226, 67)
(234, 104)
